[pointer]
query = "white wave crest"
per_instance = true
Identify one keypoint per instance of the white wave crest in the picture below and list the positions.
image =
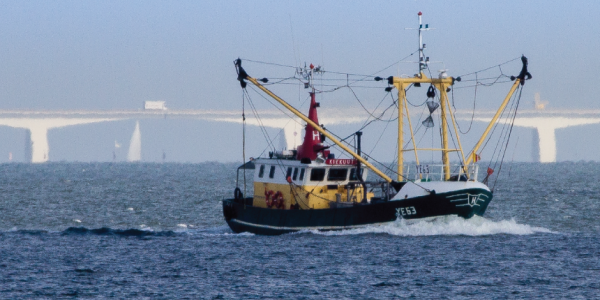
(223, 230)
(447, 225)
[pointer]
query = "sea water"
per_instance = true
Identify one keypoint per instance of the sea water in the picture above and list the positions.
(156, 231)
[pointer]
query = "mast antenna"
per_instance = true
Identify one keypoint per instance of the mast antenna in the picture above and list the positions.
(423, 61)
(307, 74)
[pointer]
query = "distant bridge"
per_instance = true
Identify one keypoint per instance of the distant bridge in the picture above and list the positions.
(38, 122)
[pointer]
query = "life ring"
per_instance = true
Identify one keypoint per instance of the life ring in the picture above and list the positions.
(268, 199)
(276, 199)
(279, 202)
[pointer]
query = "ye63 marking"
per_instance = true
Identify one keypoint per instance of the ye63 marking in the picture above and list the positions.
(406, 211)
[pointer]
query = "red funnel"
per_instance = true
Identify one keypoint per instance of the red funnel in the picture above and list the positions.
(312, 138)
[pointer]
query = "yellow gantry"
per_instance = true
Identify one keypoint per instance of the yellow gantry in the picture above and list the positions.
(441, 84)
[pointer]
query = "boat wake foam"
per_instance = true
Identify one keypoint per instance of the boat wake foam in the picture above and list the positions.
(223, 230)
(447, 225)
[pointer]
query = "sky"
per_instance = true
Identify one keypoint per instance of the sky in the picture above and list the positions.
(117, 54)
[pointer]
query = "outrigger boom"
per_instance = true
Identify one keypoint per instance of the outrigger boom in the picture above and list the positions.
(242, 75)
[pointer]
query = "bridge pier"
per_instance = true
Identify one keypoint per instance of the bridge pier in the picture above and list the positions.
(545, 129)
(535, 145)
(546, 132)
(36, 137)
(36, 144)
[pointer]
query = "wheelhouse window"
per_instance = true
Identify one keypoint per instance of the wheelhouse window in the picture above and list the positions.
(261, 171)
(272, 172)
(353, 174)
(295, 176)
(337, 174)
(317, 174)
(288, 173)
(301, 174)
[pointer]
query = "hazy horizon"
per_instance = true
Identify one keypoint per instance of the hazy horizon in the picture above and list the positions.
(116, 55)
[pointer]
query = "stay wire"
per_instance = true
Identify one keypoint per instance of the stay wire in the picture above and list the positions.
(498, 65)
(369, 122)
(260, 123)
(364, 76)
(495, 82)
(472, 113)
(244, 139)
(382, 132)
(495, 157)
(493, 130)
(265, 133)
(269, 140)
(503, 134)
(509, 134)
(268, 63)
(371, 75)
(276, 106)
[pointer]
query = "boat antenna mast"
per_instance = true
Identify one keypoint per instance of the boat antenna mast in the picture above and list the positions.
(423, 61)
(307, 74)
(441, 84)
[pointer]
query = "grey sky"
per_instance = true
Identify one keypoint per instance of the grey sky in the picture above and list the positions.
(117, 54)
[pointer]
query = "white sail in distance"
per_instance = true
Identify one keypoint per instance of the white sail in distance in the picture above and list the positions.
(135, 145)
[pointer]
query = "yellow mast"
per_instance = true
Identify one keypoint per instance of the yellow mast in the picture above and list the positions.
(401, 103)
(444, 125)
(412, 135)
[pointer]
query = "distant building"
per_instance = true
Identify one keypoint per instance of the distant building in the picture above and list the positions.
(155, 105)
(539, 104)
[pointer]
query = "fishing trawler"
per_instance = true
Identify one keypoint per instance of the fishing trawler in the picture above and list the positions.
(308, 188)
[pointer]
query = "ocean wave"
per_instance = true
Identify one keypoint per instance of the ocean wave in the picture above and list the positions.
(145, 231)
(117, 232)
(448, 225)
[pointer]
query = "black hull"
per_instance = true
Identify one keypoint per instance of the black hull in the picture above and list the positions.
(267, 221)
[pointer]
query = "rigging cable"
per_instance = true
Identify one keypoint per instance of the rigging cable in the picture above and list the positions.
(502, 137)
(244, 140)
(382, 132)
(492, 133)
(276, 106)
(364, 76)
(260, 123)
(473, 112)
(367, 123)
(509, 134)
(509, 61)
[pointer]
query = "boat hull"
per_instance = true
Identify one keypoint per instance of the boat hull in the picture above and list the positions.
(266, 221)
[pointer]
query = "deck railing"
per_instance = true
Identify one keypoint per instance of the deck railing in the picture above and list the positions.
(426, 172)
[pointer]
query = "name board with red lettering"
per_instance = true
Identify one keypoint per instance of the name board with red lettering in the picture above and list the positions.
(338, 162)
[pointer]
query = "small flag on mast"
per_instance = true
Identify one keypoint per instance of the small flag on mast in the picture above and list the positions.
(476, 157)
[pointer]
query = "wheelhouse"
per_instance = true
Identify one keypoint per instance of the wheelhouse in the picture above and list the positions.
(285, 172)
